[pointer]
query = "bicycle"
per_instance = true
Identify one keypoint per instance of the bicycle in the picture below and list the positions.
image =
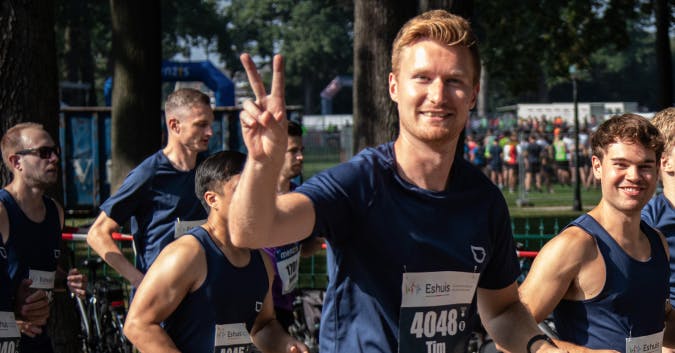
(102, 313)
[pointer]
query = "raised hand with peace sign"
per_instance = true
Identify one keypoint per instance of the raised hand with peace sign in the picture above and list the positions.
(263, 122)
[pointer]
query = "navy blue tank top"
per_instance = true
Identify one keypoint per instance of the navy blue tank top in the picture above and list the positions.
(229, 295)
(632, 302)
(36, 245)
(6, 288)
(32, 248)
(9, 342)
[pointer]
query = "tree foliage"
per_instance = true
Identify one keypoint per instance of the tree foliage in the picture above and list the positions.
(528, 46)
(315, 36)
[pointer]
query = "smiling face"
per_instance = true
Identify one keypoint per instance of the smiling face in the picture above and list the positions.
(434, 91)
(628, 174)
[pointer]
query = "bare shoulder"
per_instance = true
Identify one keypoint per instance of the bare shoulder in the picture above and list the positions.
(184, 251)
(573, 245)
(59, 209)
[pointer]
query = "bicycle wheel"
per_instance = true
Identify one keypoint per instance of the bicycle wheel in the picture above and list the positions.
(112, 335)
(85, 334)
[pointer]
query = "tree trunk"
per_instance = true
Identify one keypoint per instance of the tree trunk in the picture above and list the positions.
(376, 23)
(136, 98)
(28, 79)
(662, 12)
(308, 88)
(426, 5)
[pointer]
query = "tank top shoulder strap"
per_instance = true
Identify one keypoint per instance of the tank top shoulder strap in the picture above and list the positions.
(8, 201)
(658, 251)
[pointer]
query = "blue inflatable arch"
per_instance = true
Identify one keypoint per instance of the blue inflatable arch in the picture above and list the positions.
(203, 71)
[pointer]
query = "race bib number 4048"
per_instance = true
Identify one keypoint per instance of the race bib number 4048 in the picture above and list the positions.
(434, 309)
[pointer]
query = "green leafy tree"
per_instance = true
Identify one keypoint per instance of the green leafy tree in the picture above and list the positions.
(314, 36)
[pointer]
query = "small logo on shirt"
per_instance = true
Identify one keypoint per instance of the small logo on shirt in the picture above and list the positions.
(478, 253)
(3, 252)
(258, 306)
(57, 253)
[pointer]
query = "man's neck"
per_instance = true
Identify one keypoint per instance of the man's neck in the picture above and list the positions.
(284, 185)
(621, 225)
(29, 198)
(218, 231)
(669, 188)
(422, 164)
(181, 158)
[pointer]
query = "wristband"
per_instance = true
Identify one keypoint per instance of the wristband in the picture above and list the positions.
(536, 338)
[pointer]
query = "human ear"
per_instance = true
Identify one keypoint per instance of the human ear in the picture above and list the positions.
(393, 87)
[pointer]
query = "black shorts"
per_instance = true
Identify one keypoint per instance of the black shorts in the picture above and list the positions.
(534, 167)
(564, 165)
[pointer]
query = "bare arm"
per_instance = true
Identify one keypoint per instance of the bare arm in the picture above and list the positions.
(258, 217)
(555, 269)
(76, 281)
(179, 268)
(267, 333)
(499, 309)
(100, 239)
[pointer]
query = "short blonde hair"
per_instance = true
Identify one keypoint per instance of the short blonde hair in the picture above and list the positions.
(440, 26)
(665, 122)
(12, 141)
(184, 99)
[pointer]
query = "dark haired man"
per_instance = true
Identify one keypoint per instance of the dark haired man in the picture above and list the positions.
(203, 294)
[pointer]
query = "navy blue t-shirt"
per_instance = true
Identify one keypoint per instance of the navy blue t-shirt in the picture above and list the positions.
(632, 301)
(229, 295)
(659, 213)
(379, 226)
(153, 196)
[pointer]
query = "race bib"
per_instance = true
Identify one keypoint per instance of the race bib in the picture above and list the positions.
(645, 344)
(9, 333)
(434, 309)
(288, 262)
(232, 338)
(182, 227)
(42, 279)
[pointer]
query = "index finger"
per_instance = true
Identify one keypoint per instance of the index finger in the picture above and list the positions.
(254, 79)
(278, 78)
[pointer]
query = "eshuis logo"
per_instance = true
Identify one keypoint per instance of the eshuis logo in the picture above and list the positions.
(479, 253)
(57, 253)
(258, 306)
(634, 348)
(412, 288)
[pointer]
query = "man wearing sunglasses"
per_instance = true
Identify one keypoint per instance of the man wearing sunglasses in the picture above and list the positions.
(31, 222)
(158, 194)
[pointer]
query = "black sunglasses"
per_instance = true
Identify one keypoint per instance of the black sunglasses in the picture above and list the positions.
(43, 152)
